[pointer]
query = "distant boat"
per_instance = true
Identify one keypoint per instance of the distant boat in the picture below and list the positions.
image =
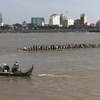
(5, 71)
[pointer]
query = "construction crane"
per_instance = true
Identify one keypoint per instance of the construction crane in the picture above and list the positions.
(66, 13)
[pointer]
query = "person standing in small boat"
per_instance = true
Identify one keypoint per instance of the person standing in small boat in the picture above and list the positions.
(15, 67)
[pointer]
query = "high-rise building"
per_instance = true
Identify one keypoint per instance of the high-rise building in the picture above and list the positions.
(1, 20)
(82, 21)
(62, 17)
(37, 20)
(83, 18)
(54, 19)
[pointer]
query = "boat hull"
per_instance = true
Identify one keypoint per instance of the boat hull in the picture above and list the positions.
(24, 49)
(26, 73)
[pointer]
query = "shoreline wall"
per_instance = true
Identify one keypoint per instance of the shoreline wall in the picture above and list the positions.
(44, 31)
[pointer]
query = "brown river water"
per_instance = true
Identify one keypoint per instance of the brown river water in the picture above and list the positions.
(72, 74)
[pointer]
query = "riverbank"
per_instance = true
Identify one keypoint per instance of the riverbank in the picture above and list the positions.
(44, 31)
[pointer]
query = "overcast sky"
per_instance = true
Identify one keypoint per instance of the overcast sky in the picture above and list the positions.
(17, 11)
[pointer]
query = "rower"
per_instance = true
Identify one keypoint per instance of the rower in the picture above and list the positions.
(24, 47)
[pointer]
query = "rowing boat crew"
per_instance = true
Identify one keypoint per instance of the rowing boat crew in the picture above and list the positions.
(58, 47)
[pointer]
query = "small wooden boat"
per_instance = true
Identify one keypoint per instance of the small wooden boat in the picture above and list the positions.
(6, 72)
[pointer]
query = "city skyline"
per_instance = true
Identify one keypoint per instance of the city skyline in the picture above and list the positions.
(16, 11)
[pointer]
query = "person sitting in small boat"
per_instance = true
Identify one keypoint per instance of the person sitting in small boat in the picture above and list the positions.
(15, 67)
(4, 67)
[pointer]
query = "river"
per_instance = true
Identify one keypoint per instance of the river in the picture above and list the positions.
(72, 74)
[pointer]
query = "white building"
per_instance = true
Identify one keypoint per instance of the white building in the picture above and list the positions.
(70, 22)
(54, 19)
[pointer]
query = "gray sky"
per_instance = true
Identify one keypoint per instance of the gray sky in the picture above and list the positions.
(17, 11)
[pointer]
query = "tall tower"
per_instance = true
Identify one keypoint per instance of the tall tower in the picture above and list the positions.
(83, 18)
(62, 17)
(1, 20)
